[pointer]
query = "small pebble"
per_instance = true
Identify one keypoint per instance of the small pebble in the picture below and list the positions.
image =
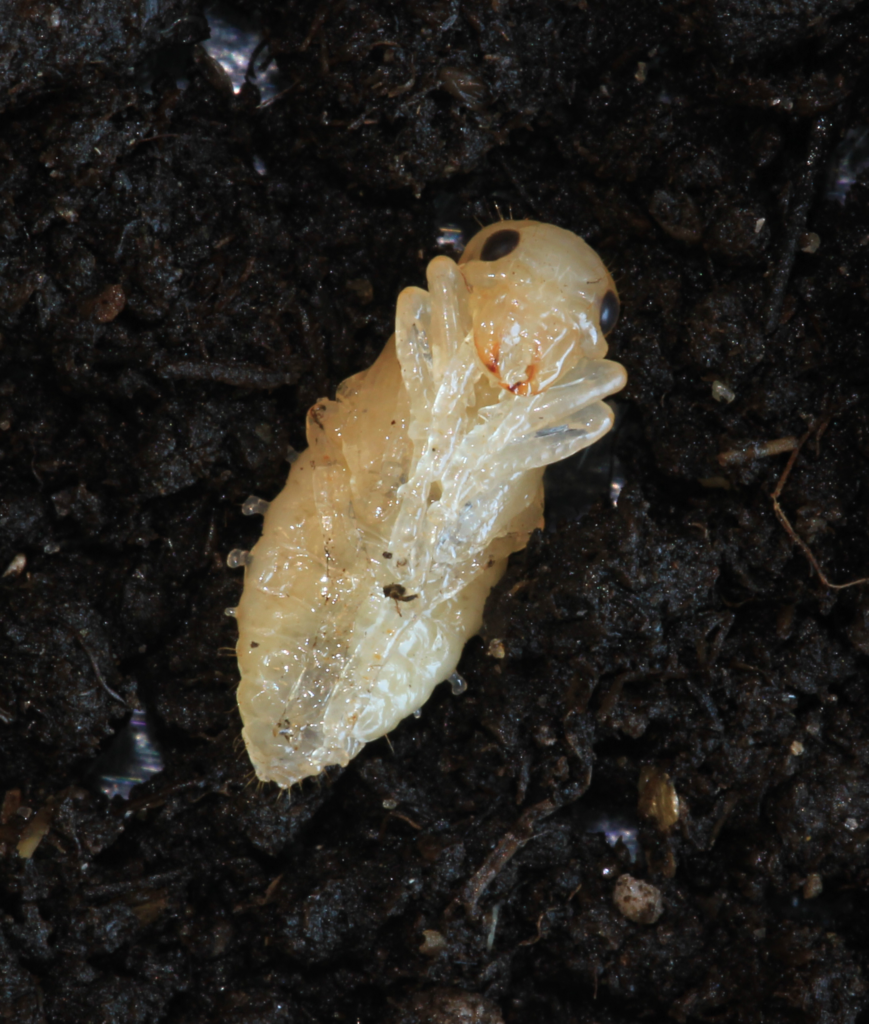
(637, 900)
(496, 649)
(16, 566)
(432, 942)
(722, 393)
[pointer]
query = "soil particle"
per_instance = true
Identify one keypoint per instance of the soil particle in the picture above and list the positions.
(447, 1006)
(672, 681)
(637, 900)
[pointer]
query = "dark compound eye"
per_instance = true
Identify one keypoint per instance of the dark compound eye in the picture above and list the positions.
(609, 312)
(501, 244)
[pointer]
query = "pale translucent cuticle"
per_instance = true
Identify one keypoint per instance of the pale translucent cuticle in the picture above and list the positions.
(420, 479)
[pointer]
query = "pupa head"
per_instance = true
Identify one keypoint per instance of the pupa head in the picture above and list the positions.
(540, 300)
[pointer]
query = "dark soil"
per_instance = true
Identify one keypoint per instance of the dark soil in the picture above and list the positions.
(184, 270)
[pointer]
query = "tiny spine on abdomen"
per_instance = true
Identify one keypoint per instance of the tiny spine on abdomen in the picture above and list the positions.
(419, 480)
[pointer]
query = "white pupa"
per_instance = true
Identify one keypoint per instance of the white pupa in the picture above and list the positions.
(419, 481)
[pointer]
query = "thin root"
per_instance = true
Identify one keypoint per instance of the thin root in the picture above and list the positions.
(533, 941)
(819, 429)
(511, 842)
(115, 696)
(758, 450)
